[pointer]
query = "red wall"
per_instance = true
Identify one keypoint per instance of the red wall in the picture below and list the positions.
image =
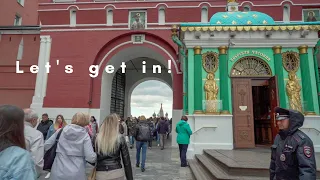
(28, 12)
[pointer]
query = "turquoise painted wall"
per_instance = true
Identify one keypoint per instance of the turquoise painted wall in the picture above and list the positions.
(235, 54)
(313, 80)
(204, 76)
(286, 78)
(190, 81)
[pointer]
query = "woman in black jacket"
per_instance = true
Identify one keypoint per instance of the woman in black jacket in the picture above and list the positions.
(109, 146)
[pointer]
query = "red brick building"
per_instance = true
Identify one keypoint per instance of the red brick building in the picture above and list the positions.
(82, 33)
(19, 41)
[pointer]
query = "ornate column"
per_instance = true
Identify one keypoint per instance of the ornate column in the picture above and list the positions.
(306, 80)
(197, 80)
(279, 73)
(223, 68)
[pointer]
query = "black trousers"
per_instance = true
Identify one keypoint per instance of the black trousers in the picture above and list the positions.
(183, 154)
(150, 143)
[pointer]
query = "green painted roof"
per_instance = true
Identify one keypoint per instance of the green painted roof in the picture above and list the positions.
(241, 18)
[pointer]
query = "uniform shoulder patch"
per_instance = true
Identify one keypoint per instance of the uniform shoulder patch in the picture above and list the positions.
(307, 151)
(301, 135)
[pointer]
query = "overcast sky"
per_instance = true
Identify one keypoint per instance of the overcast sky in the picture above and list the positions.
(147, 98)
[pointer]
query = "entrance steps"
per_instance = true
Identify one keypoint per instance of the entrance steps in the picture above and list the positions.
(231, 165)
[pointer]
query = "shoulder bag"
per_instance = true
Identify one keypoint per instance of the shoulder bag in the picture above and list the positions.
(51, 154)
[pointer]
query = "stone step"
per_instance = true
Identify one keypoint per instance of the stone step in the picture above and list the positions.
(227, 164)
(220, 173)
(198, 171)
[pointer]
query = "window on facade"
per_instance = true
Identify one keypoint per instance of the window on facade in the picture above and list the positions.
(204, 15)
(286, 13)
(246, 8)
(20, 50)
(73, 17)
(17, 20)
(161, 16)
(109, 17)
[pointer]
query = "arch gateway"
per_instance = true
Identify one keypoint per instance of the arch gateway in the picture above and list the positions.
(256, 65)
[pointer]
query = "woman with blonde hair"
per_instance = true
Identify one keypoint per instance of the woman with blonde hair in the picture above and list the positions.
(73, 150)
(59, 123)
(111, 147)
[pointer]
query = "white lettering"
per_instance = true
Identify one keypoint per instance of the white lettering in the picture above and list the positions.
(68, 69)
(18, 68)
(154, 67)
(47, 67)
(34, 69)
(123, 66)
(109, 69)
(94, 70)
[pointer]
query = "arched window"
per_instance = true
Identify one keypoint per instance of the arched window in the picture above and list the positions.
(204, 14)
(20, 50)
(250, 66)
(73, 17)
(109, 17)
(246, 8)
(161, 16)
(286, 13)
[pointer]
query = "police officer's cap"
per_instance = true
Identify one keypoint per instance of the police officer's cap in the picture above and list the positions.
(281, 113)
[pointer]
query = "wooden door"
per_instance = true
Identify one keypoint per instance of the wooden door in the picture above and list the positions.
(243, 113)
(274, 102)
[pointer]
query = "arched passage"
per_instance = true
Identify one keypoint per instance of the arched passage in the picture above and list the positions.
(169, 84)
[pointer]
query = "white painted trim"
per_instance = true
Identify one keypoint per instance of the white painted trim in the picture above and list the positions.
(149, 42)
(101, 29)
(172, 7)
(19, 31)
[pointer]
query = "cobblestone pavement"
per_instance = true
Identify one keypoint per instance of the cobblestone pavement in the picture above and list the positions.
(160, 165)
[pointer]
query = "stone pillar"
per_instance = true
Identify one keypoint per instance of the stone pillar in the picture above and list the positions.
(223, 69)
(41, 81)
(198, 89)
(306, 80)
(280, 77)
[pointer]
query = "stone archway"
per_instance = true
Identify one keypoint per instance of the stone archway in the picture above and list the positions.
(250, 66)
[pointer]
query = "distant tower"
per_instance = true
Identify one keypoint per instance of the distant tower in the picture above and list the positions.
(161, 111)
(154, 115)
(167, 115)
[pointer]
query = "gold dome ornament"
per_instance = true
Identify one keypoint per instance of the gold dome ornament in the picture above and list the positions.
(255, 16)
(218, 22)
(234, 22)
(225, 16)
(265, 22)
(249, 22)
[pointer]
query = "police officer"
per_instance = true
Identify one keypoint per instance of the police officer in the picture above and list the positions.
(292, 156)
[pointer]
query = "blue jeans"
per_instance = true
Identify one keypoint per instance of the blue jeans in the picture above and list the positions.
(144, 146)
(158, 138)
(131, 140)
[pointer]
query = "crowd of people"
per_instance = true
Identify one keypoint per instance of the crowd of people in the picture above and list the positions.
(29, 148)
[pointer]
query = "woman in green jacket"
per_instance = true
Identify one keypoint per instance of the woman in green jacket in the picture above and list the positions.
(183, 139)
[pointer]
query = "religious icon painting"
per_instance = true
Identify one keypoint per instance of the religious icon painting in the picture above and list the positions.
(137, 20)
(311, 15)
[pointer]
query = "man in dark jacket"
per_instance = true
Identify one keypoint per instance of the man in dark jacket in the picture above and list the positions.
(142, 135)
(44, 125)
(163, 129)
(292, 155)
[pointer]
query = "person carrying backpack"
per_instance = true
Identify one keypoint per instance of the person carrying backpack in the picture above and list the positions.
(142, 134)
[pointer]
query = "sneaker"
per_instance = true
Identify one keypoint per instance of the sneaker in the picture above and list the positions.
(48, 175)
(137, 165)
(158, 144)
(143, 169)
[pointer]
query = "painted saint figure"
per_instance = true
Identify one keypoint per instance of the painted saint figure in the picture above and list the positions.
(137, 24)
(311, 16)
(211, 90)
(293, 90)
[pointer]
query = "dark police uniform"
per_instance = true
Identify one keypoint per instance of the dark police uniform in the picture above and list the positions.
(292, 155)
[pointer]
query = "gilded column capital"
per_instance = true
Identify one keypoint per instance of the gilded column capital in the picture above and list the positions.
(277, 49)
(197, 50)
(174, 30)
(303, 49)
(223, 49)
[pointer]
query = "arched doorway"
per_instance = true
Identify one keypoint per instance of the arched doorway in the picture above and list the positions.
(254, 97)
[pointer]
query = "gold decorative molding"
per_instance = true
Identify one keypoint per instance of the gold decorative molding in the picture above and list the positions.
(225, 112)
(210, 61)
(174, 30)
(293, 90)
(277, 49)
(223, 49)
(251, 28)
(198, 112)
(290, 61)
(197, 50)
(308, 113)
(303, 49)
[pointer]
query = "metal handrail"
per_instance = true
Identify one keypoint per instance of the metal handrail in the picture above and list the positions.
(204, 128)
(318, 132)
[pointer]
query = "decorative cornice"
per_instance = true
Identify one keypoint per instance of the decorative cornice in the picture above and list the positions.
(277, 49)
(250, 28)
(250, 43)
(303, 49)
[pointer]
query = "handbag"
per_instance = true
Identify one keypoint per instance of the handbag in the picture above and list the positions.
(51, 154)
